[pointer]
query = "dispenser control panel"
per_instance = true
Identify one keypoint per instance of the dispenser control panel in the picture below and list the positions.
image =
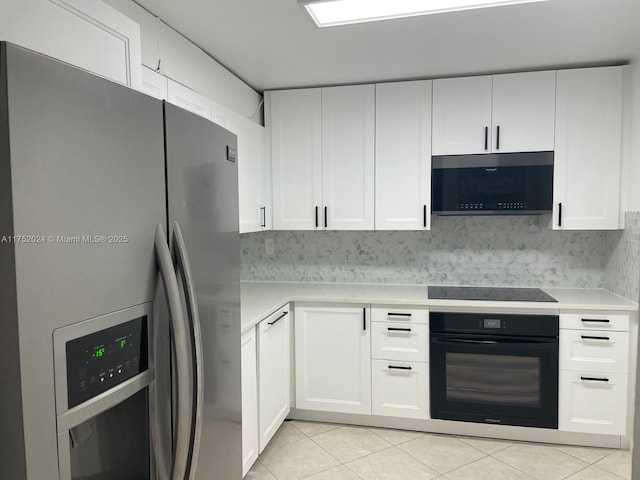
(101, 360)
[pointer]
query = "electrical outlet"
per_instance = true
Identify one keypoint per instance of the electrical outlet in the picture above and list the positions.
(269, 247)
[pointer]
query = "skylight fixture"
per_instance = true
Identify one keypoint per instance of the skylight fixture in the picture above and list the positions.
(329, 13)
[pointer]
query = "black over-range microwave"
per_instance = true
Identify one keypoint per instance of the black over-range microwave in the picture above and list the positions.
(492, 184)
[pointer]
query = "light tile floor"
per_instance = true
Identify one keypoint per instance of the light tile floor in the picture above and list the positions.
(322, 451)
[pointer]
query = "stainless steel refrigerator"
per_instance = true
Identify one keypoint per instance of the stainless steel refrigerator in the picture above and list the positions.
(119, 282)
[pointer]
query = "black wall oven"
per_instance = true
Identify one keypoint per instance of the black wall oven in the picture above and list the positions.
(495, 368)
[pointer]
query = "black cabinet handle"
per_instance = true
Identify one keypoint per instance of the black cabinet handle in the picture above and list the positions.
(589, 337)
(392, 314)
(364, 319)
(596, 320)
(594, 379)
(498, 137)
(277, 319)
(424, 216)
(486, 138)
(264, 216)
(396, 367)
(325, 217)
(560, 214)
(393, 329)
(316, 217)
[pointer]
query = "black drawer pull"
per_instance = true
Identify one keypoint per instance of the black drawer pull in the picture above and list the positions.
(392, 329)
(596, 320)
(277, 319)
(391, 314)
(364, 318)
(589, 337)
(395, 367)
(594, 379)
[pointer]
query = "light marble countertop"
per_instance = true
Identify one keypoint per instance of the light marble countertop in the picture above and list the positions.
(260, 299)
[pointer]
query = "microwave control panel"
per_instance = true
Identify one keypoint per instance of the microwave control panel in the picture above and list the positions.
(101, 360)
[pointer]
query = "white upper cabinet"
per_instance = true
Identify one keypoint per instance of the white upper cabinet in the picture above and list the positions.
(587, 154)
(462, 115)
(254, 174)
(403, 156)
(86, 33)
(154, 84)
(523, 112)
(348, 157)
(490, 114)
(295, 121)
(188, 99)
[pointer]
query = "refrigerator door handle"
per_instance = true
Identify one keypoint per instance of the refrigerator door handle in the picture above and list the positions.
(184, 267)
(180, 459)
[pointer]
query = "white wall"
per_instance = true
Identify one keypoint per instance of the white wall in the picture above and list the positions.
(187, 64)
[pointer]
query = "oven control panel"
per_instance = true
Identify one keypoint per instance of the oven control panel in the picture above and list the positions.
(101, 360)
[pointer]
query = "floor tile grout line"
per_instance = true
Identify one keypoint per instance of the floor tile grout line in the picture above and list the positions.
(512, 466)
(487, 453)
(441, 473)
(557, 447)
(364, 456)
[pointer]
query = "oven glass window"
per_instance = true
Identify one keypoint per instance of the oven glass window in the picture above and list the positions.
(493, 379)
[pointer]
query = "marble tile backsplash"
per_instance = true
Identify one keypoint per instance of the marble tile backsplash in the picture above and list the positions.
(622, 271)
(500, 251)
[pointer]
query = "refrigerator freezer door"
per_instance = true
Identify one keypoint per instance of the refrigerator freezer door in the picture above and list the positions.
(202, 188)
(82, 179)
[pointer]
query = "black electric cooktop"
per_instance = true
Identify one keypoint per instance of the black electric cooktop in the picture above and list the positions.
(505, 294)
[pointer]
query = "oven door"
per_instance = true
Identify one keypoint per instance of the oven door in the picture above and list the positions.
(495, 379)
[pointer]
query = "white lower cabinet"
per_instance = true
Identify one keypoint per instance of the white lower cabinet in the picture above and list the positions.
(273, 373)
(333, 360)
(250, 442)
(400, 362)
(593, 377)
(400, 389)
(592, 402)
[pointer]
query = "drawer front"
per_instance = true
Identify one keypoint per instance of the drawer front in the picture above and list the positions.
(592, 402)
(400, 341)
(594, 350)
(395, 314)
(595, 321)
(402, 391)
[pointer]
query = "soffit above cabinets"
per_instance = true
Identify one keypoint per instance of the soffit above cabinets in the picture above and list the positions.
(274, 44)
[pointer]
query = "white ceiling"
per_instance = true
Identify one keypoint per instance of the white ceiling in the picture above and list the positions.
(273, 44)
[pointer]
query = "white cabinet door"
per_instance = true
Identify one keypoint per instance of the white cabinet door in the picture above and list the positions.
(400, 341)
(273, 373)
(594, 350)
(348, 157)
(592, 402)
(462, 115)
(86, 33)
(295, 121)
(523, 113)
(333, 361)
(586, 187)
(154, 84)
(188, 99)
(250, 443)
(400, 389)
(253, 166)
(403, 156)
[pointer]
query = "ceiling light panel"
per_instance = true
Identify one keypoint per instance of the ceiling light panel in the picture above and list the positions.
(329, 13)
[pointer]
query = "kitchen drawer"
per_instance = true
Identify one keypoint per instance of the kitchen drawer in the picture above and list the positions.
(592, 402)
(394, 314)
(595, 321)
(400, 341)
(594, 350)
(400, 389)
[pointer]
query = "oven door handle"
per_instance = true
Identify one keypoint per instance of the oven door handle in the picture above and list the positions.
(468, 340)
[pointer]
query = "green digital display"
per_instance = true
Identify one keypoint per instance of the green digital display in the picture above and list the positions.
(123, 343)
(99, 352)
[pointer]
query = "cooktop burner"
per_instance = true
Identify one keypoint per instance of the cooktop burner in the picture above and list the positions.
(489, 293)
